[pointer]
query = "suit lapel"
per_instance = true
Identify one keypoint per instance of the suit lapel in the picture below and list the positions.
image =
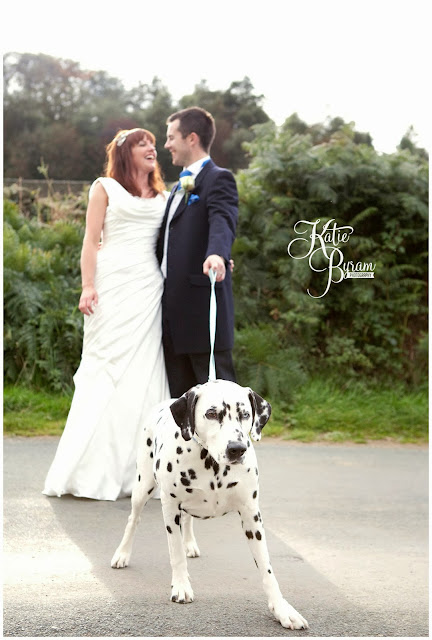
(167, 207)
(200, 177)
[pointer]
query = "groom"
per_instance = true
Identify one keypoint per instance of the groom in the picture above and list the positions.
(196, 235)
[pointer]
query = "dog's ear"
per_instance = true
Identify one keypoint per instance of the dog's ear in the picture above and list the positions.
(261, 410)
(183, 412)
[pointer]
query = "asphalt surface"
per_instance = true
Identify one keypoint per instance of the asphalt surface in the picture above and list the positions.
(347, 529)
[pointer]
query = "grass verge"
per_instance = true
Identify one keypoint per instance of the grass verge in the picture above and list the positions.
(321, 411)
(34, 413)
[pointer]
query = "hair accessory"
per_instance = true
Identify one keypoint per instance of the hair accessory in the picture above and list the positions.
(124, 135)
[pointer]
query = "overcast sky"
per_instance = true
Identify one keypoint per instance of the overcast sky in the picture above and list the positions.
(367, 61)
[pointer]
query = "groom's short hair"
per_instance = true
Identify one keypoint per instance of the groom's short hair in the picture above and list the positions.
(196, 120)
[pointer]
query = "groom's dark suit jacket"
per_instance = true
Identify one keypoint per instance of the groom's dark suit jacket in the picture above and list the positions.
(204, 227)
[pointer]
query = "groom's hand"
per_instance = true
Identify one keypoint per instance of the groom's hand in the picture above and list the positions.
(217, 263)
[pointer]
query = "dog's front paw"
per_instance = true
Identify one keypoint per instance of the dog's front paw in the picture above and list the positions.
(120, 559)
(181, 592)
(287, 615)
(192, 550)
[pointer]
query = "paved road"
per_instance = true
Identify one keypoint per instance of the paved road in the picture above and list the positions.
(347, 528)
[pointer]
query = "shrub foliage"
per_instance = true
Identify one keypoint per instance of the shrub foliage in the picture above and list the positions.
(369, 328)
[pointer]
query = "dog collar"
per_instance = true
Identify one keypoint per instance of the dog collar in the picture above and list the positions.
(198, 441)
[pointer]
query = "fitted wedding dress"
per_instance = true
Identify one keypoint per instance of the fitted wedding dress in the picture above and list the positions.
(122, 371)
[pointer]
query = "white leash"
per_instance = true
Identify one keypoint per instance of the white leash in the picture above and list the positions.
(212, 325)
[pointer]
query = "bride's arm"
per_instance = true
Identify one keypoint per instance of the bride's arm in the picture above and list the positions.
(94, 222)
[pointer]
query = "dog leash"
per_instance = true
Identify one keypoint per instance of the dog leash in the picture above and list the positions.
(212, 325)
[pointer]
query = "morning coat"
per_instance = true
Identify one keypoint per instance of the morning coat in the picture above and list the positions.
(202, 226)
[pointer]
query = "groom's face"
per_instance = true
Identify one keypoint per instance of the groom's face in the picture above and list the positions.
(178, 146)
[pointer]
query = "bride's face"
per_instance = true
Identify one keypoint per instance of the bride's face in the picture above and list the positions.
(144, 155)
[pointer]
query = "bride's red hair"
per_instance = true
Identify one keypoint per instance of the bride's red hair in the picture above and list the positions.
(119, 161)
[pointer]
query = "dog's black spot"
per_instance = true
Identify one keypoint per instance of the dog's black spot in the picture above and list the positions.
(150, 491)
(254, 495)
(208, 462)
(185, 482)
(268, 570)
(139, 478)
(256, 518)
(183, 474)
(173, 495)
(189, 490)
(258, 535)
(249, 535)
(157, 463)
(192, 474)
(189, 450)
(215, 467)
(212, 486)
(205, 500)
(227, 468)
(151, 454)
(231, 484)
(169, 466)
(177, 433)
(149, 442)
(168, 529)
(177, 519)
(203, 454)
(160, 448)
(222, 413)
(256, 471)
(248, 443)
(256, 564)
(179, 451)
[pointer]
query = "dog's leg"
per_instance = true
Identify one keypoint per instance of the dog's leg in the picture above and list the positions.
(253, 527)
(143, 488)
(181, 590)
(189, 541)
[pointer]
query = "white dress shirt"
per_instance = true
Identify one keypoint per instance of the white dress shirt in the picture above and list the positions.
(194, 168)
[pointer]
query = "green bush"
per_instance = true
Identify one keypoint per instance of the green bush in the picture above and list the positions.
(370, 328)
(42, 325)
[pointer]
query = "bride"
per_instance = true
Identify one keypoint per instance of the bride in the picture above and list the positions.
(122, 370)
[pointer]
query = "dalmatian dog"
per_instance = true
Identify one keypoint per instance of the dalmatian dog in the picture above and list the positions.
(198, 451)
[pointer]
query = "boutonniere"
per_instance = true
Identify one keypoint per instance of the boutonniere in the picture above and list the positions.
(187, 183)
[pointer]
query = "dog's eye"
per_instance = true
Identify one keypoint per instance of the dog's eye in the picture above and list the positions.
(211, 414)
(245, 415)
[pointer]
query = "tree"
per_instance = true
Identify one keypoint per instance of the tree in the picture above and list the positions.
(50, 101)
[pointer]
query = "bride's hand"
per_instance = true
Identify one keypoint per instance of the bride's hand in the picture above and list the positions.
(88, 301)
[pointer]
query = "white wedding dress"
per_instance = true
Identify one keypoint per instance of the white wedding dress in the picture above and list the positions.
(122, 371)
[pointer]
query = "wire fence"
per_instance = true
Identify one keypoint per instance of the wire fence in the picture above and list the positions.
(44, 186)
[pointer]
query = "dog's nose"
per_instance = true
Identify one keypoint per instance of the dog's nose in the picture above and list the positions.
(235, 450)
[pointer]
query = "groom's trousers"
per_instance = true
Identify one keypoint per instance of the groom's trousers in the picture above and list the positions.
(185, 370)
